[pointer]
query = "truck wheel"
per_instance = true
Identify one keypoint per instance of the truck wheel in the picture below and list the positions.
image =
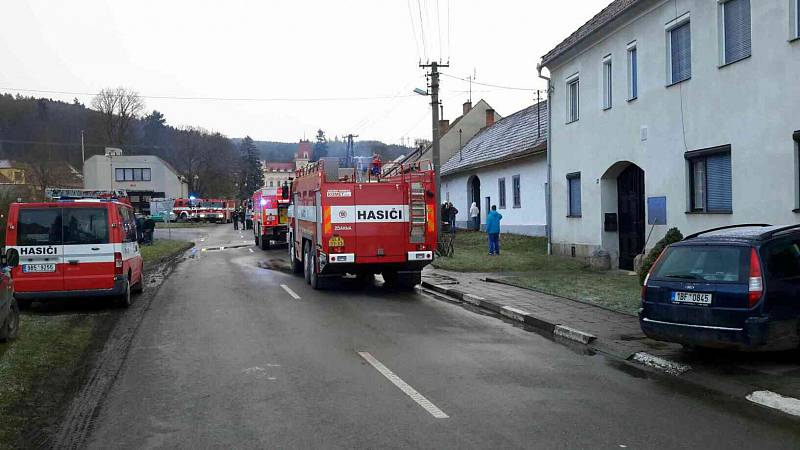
(263, 242)
(138, 288)
(125, 299)
(297, 265)
(402, 281)
(10, 329)
(315, 280)
(306, 262)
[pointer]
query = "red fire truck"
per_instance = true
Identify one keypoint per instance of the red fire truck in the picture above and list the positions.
(216, 210)
(186, 209)
(270, 216)
(349, 221)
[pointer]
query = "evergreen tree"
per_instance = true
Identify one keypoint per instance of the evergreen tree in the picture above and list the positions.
(251, 178)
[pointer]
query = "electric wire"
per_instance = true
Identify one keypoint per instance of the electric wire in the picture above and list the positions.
(489, 84)
(413, 30)
(422, 30)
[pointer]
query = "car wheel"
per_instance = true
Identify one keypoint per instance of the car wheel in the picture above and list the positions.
(125, 300)
(10, 330)
(138, 288)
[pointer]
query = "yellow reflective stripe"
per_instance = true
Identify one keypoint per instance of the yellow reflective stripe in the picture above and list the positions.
(326, 220)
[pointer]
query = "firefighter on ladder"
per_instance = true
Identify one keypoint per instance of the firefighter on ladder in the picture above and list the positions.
(376, 165)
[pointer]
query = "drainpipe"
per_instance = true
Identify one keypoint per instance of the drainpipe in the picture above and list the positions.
(548, 194)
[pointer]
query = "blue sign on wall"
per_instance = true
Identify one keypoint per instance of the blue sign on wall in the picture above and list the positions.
(657, 210)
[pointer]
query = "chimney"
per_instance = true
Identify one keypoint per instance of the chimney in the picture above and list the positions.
(467, 107)
(444, 125)
(489, 117)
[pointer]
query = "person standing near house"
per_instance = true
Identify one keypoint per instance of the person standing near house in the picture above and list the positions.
(493, 230)
(452, 211)
(475, 216)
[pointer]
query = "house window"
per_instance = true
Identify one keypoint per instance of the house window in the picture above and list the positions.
(574, 187)
(501, 192)
(133, 174)
(735, 21)
(517, 191)
(710, 180)
(679, 43)
(607, 83)
(633, 72)
(573, 99)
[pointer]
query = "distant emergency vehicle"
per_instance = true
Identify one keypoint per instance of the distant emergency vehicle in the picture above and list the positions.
(186, 209)
(79, 244)
(215, 210)
(270, 216)
(349, 221)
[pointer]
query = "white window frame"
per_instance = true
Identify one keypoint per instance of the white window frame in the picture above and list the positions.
(607, 77)
(573, 79)
(682, 20)
(633, 84)
(721, 27)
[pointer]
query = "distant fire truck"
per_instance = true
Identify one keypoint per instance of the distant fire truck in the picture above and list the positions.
(270, 216)
(216, 210)
(350, 221)
(186, 209)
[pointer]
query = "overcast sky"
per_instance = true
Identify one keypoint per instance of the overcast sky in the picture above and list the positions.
(316, 49)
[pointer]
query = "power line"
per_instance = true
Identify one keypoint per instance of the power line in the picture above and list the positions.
(489, 84)
(221, 99)
(413, 29)
(422, 29)
(439, 28)
(449, 18)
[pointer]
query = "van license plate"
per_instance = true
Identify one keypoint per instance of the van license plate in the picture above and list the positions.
(38, 268)
(693, 298)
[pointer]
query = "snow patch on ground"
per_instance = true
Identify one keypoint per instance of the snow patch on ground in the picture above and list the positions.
(656, 362)
(770, 399)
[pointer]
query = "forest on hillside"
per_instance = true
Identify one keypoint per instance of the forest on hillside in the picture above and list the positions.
(44, 134)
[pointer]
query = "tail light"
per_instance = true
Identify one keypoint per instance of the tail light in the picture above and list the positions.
(756, 282)
(117, 263)
(652, 268)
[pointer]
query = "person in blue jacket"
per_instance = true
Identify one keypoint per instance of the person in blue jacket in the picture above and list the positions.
(493, 230)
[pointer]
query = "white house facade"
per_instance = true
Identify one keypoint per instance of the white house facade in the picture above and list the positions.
(678, 113)
(143, 176)
(504, 165)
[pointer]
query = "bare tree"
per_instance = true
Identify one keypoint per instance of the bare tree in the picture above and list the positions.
(119, 107)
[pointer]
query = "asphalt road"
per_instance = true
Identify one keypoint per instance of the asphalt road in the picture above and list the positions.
(227, 357)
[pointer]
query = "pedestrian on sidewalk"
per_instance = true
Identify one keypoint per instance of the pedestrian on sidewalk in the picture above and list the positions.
(452, 212)
(493, 230)
(235, 218)
(475, 216)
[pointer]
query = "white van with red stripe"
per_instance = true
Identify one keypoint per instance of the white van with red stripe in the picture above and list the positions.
(75, 248)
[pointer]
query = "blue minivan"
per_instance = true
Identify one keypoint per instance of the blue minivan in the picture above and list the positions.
(735, 287)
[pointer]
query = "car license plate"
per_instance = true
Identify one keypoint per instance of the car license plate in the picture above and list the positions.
(38, 268)
(692, 298)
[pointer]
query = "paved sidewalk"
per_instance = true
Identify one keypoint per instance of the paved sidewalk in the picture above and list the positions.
(617, 333)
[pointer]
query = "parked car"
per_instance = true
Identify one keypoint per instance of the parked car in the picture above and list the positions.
(75, 248)
(9, 310)
(732, 287)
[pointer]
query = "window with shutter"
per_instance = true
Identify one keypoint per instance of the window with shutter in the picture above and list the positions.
(710, 183)
(736, 26)
(574, 187)
(517, 191)
(501, 192)
(680, 53)
(573, 100)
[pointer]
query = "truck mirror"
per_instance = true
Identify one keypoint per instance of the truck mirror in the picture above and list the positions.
(12, 258)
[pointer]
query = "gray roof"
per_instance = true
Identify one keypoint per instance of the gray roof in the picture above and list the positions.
(5, 164)
(520, 134)
(611, 12)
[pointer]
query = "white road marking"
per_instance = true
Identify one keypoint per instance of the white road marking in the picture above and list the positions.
(290, 292)
(770, 399)
(202, 239)
(403, 386)
(251, 250)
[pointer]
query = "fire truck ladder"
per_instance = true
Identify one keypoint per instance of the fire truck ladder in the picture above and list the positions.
(419, 214)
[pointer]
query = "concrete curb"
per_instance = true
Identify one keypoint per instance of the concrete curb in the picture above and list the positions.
(515, 314)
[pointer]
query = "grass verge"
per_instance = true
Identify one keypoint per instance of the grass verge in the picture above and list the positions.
(38, 373)
(524, 262)
(162, 248)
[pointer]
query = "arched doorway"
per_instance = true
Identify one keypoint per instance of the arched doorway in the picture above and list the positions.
(622, 193)
(473, 195)
(631, 214)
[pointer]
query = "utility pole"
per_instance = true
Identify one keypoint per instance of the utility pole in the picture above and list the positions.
(83, 151)
(434, 74)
